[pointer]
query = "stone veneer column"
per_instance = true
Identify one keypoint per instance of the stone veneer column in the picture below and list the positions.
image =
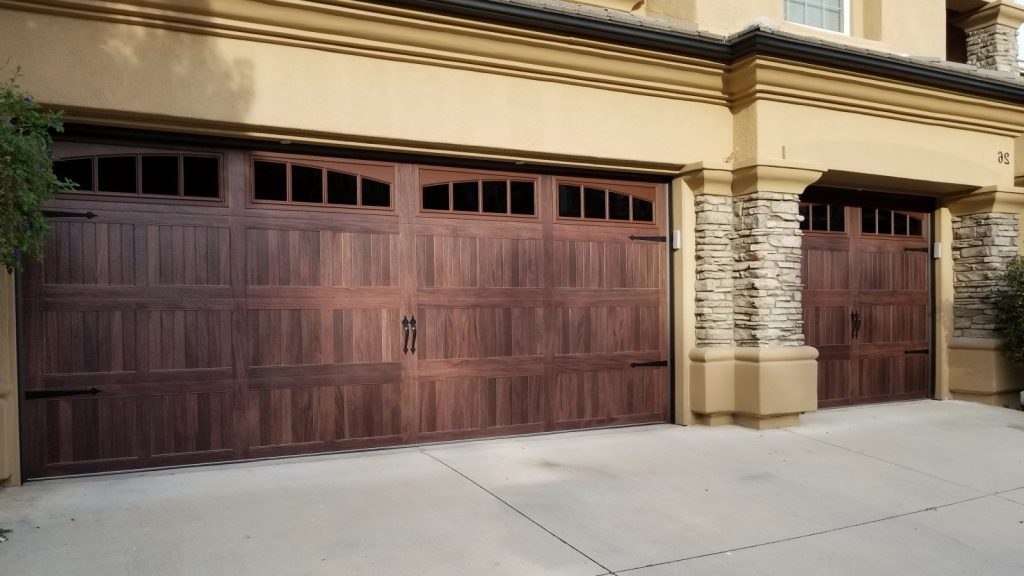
(993, 48)
(992, 35)
(982, 245)
(986, 235)
(750, 366)
(713, 244)
(767, 270)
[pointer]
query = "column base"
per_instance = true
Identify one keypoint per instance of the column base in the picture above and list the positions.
(979, 372)
(767, 422)
(759, 388)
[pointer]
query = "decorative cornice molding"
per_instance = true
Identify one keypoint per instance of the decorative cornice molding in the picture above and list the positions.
(989, 199)
(770, 79)
(704, 178)
(778, 176)
(1002, 12)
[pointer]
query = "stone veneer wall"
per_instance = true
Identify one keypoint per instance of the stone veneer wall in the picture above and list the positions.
(993, 47)
(767, 291)
(982, 245)
(713, 244)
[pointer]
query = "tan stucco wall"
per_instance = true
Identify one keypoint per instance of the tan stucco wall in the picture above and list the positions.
(862, 143)
(10, 466)
(943, 270)
(684, 268)
(90, 67)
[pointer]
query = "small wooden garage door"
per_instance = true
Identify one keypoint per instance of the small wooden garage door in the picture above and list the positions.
(225, 305)
(867, 298)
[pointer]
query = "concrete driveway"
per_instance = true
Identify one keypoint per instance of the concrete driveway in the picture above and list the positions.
(912, 488)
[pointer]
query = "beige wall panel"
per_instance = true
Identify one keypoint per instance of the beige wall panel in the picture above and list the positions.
(86, 64)
(912, 28)
(873, 24)
(885, 147)
(10, 472)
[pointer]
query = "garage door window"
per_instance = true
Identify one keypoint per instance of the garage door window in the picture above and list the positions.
(302, 184)
(886, 222)
(823, 217)
(167, 175)
(577, 201)
(498, 197)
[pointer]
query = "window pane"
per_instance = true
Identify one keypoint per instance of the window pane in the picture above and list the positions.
(78, 171)
(270, 180)
(837, 218)
(643, 210)
(435, 197)
(805, 212)
(819, 217)
(522, 198)
(466, 196)
(160, 175)
(795, 11)
(867, 221)
(827, 14)
(376, 193)
(496, 196)
(307, 184)
(618, 206)
(569, 201)
(814, 16)
(594, 203)
(117, 174)
(916, 228)
(202, 176)
(341, 188)
(899, 224)
(833, 21)
(884, 221)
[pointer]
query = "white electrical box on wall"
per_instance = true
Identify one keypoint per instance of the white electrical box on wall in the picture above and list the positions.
(677, 239)
(937, 250)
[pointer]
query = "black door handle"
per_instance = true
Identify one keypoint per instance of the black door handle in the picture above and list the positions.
(413, 324)
(405, 332)
(855, 321)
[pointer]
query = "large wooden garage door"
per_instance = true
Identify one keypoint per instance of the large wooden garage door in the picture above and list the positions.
(224, 306)
(867, 299)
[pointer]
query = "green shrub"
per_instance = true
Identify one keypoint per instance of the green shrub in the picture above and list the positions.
(26, 174)
(1010, 310)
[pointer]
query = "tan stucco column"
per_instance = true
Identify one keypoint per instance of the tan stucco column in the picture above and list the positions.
(985, 236)
(749, 365)
(10, 470)
(992, 35)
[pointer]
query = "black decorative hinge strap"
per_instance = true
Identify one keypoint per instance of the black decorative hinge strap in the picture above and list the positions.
(649, 238)
(34, 394)
(65, 214)
(646, 364)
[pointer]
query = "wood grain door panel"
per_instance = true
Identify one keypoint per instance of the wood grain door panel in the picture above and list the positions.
(885, 279)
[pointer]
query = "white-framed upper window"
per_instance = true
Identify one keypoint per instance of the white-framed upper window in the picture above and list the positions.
(825, 14)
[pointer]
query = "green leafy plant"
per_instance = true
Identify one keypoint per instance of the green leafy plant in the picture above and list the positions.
(1010, 310)
(27, 180)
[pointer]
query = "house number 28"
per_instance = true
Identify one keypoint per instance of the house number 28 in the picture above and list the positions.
(1003, 157)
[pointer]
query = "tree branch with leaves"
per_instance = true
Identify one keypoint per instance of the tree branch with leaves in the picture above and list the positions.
(27, 180)
(1010, 310)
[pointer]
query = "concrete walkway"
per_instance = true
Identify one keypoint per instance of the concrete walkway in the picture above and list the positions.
(913, 488)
